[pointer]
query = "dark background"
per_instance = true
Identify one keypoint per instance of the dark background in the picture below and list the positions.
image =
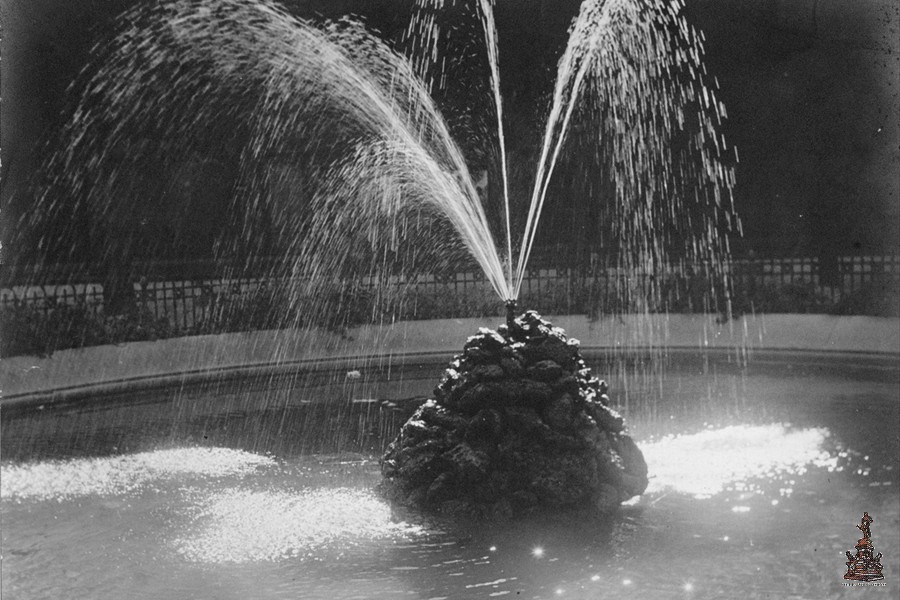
(811, 89)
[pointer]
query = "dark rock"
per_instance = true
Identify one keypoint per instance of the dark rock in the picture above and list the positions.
(416, 430)
(394, 491)
(561, 485)
(486, 425)
(442, 488)
(432, 414)
(388, 467)
(593, 384)
(452, 397)
(514, 459)
(513, 351)
(633, 460)
(609, 467)
(606, 498)
(479, 396)
(419, 469)
(449, 380)
(548, 348)
(478, 356)
(487, 372)
(525, 421)
(468, 463)
(501, 511)
(457, 509)
(459, 364)
(567, 384)
(631, 485)
(450, 383)
(418, 496)
(523, 501)
(544, 370)
(527, 392)
(585, 425)
(410, 447)
(485, 339)
(497, 485)
(607, 418)
(495, 394)
(529, 326)
(558, 413)
(511, 366)
(518, 424)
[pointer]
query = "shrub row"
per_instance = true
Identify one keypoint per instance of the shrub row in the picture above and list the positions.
(40, 329)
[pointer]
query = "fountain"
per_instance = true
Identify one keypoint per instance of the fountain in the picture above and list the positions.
(342, 164)
(247, 488)
(540, 420)
(380, 162)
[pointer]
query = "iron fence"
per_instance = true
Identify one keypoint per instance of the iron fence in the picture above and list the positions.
(190, 298)
(853, 273)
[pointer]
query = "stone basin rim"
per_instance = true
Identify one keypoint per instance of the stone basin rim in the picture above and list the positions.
(884, 362)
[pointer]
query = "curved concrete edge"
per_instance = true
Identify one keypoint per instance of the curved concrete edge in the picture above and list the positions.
(177, 360)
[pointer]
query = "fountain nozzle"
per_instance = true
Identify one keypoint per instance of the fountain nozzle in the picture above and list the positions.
(511, 309)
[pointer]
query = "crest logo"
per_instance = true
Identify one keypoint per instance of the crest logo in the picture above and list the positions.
(866, 565)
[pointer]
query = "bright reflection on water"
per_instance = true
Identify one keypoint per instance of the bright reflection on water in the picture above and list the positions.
(707, 463)
(235, 523)
(231, 524)
(243, 525)
(121, 474)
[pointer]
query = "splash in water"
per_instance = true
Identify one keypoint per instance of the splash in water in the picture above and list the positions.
(61, 479)
(705, 464)
(240, 526)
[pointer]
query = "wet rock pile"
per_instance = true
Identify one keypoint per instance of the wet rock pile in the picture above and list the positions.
(517, 424)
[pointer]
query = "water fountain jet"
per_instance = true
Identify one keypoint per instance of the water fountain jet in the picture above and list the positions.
(434, 463)
(290, 527)
(381, 159)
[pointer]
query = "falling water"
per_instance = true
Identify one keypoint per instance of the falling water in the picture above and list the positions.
(342, 158)
(343, 165)
(633, 124)
(632, 79)
(490, 39)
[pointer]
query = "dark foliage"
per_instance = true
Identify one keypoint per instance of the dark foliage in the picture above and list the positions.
(29, 328)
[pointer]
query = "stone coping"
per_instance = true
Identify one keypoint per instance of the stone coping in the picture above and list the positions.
(177, 360)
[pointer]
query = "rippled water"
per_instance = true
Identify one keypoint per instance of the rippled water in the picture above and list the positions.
(760, 509)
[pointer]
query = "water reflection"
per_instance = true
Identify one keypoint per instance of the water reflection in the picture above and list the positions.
(60, 479)
(240, 525)
(312, 527)
(708, 463)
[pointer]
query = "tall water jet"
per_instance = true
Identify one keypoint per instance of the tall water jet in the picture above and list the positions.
(527, 428)
(634, 121)
(507, 432)
(344, 166)
(341, 159)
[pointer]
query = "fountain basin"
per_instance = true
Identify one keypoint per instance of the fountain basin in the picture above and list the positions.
(92, 370)
(261, 485)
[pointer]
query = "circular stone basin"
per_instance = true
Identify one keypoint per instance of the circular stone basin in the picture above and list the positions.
(263, 487)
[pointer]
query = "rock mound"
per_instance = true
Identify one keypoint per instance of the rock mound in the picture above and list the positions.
(517, 424)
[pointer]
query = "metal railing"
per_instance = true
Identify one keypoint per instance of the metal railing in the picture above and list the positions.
(186, 295)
